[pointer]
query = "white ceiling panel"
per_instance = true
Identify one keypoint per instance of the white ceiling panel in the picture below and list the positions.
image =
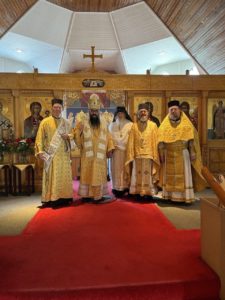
(54, 40)
(148, 56)
(45, 22)
(73, 61)
(33, 52)
(12, 66)
(66, 65)
(92, 29)
(137, 24)
(119, 63)
(48, 60)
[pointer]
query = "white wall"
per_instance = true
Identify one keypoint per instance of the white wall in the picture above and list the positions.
(13, 66)
(176, 68)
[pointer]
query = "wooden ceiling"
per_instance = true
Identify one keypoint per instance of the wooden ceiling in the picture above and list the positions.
(94, 5)
(11, 11)
(199, 25)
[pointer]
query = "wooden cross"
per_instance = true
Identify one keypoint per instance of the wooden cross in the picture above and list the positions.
(92, 56)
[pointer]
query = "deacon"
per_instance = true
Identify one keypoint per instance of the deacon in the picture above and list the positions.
(142, 153)
(120, 130)
(52, 145)
(180, 156)
(95, 143)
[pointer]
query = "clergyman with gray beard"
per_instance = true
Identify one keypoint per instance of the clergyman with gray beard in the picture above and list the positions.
(142, 154)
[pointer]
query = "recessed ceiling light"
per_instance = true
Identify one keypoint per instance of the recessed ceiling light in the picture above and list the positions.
(19, 50)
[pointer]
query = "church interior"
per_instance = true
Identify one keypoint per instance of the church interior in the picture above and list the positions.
(128, 53)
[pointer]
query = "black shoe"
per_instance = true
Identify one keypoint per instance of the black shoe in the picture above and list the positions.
(62, 202)
(67, 201)
(55, 204)
(118, 194)
(86, 200)
(104, 200)
(45, 204)
(128, 195)
(144, 199)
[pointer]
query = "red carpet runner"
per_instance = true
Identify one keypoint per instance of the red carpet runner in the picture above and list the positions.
(121, 250)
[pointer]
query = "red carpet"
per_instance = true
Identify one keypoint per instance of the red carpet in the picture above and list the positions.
(121, 250)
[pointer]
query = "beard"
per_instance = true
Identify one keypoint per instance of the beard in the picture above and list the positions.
(174, 118)
(94, 121)
(143, 119)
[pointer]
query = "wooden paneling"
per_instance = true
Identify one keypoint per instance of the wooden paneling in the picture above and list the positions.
(217, 159)
(94, 5)
(177, 84)
(197, 90)
(11, 11)
(199, 26)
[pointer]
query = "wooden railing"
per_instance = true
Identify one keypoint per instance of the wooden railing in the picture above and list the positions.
(217, 187)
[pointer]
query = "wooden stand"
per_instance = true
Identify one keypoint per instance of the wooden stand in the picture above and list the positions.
(213, 238)
(5, 182)
(18, 187)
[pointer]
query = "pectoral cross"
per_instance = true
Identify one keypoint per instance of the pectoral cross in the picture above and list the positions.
(92, 56)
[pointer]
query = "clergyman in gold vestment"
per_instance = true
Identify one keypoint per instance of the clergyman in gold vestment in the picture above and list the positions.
(142, 154)
(95, 143)
(180, 156)
(52, 145)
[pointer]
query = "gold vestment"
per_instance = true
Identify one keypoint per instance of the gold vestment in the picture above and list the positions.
(143, 153)
(57, 182)
(173, 139)
(94, 143)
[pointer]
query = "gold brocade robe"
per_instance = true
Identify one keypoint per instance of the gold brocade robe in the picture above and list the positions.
(57, 182)
(174, 138)
(143, 144)
(94, 143)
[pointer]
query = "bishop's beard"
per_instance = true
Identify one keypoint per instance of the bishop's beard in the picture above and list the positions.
(94, 121)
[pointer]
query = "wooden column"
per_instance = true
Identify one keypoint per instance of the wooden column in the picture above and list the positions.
(168, 95)
(203, 128)
(130, 103)
(17, 113)
(165, 98)
(203, 117)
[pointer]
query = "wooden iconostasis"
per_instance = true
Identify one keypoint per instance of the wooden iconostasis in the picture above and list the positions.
(205, 109)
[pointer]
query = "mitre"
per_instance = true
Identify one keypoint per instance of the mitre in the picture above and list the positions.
(94, 102)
